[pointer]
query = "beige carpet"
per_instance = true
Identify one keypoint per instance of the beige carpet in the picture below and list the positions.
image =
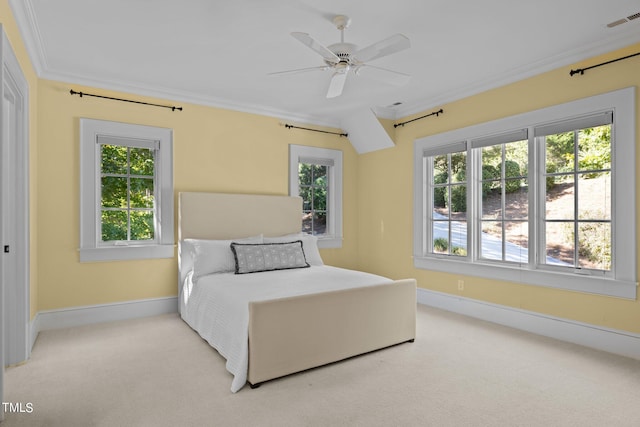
(459, 372)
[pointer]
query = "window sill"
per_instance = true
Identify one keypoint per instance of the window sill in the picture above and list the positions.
(571, 282)
(329, 242)
(126, 253)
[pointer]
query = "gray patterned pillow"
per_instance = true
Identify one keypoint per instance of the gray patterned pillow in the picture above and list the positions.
(252, 258)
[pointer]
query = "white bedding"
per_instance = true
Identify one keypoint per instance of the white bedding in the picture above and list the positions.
(217, 305)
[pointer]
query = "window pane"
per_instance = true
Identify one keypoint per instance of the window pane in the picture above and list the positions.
(113, 192)
(319, 175)
(517, 153)
(141, 161)
(440, 237)
(113, 159)
(492, 156)
(594, 240)
(459, 238)
(307, 220)
(439, 196)
(560, 198)
(304, 174)
(517, 202)
(459, 167)
(313, 188)
(594, 196)
(491, 240)
(319, 222)
(142, 195)
(142, 225)
(594, 148)
(458, 201)
(306, 194)
(559, 152)
(114, 225)
(441, 169)
(516, 241)
(560, 247)
(492, 204)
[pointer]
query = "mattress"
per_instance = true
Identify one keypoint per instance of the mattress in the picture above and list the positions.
(217, 305)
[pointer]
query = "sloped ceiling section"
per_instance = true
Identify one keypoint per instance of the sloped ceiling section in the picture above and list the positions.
(365, 132)
(223, 53)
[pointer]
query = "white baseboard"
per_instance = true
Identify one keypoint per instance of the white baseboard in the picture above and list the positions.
(86, 315)
(593, 336)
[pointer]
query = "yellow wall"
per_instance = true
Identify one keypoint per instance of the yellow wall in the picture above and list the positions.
(214, 150)
(385, 193)
(221, 150)
(11, 30)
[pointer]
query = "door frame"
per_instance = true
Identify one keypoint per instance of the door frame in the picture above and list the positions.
(16, 299)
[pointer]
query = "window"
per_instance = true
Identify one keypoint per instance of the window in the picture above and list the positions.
(315, 174)
(541, 198)
(126, 191)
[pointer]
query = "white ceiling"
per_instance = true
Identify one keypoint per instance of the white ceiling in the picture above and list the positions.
(219, 52)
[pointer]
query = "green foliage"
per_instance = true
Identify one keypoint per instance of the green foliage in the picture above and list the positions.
(512, 170)
(439, 192)
(458, 200)
(489, 174)
(459, 251)
(127, 193)
(313, 187)
(440, 244)
(594, 150)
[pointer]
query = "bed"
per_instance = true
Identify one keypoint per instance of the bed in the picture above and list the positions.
(274, 323)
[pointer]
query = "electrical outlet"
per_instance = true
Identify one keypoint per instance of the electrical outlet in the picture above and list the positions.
(461, 285)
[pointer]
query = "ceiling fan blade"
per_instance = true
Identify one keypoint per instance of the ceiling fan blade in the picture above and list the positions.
(385, 47)
(299, 70)
(337, 84)
(310, 42)
(383, 74)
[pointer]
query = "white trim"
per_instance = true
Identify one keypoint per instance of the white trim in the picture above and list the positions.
(34, 330)
(598, 337)
(90, 314)
(90, 249)
(504, 78)
(624, 284)
(333, 238)
(27, 25)
(16, 296)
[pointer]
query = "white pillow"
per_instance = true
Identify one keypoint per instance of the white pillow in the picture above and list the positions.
(309, 245)
(215, 256)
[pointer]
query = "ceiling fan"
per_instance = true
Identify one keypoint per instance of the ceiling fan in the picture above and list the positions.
(340, 58)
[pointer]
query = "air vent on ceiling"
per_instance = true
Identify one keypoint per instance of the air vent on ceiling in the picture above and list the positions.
(623, 20)
(616, 23)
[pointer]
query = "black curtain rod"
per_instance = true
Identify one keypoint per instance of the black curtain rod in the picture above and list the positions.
(582, 70)
(435, 113)
(316, 130)
(173, 108)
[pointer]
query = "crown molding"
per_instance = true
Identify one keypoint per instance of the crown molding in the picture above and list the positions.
(24, 15)
(564, 59)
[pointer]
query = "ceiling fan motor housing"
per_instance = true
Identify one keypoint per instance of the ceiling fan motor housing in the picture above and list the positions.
(343, 51)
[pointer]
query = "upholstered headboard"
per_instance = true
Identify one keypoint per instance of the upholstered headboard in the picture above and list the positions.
(221, 216)
(229, 216)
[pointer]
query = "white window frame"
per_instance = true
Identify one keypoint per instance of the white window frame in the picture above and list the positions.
(333, 237)
(623, 282)
(91, 247)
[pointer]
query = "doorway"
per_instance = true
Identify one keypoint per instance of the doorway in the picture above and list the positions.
(14, 208)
